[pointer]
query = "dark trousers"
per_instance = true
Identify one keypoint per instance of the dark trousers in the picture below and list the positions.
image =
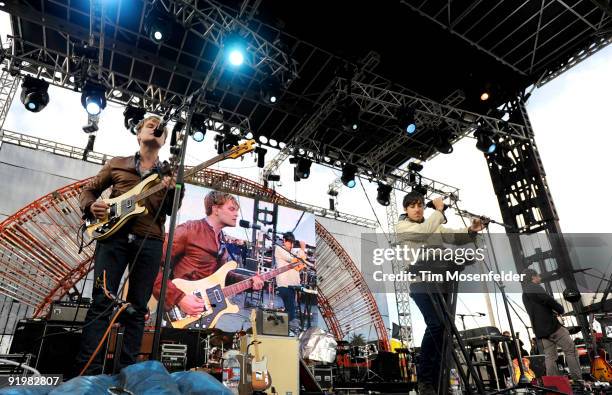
(112, 256)
(288, 297)
(430, 358)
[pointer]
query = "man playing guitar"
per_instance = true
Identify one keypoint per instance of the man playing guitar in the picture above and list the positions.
(139, 242)
(198, 250)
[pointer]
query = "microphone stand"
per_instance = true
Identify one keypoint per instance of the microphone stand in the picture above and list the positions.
(462, 316)
(485, 220)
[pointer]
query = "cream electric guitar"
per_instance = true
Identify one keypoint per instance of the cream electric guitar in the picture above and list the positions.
(215, 294)
(260, 378)
(130, 204)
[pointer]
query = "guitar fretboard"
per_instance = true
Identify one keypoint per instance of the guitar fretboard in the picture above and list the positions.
(243, 285)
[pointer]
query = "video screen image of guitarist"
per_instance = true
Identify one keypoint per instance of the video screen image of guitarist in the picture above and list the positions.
(230, 254)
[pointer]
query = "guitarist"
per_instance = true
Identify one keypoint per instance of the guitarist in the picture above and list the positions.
(138, 243)
(199, 249)
(542, 309)
(291, 277)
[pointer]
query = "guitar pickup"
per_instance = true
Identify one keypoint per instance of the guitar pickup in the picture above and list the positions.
(218, 297)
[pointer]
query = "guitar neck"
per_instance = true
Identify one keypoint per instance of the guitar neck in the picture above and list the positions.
(243, 285)
(193, 170)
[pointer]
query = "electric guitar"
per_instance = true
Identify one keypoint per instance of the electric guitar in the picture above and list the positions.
(215, 294)
(601, 370)
(130, 204)
(260, 378)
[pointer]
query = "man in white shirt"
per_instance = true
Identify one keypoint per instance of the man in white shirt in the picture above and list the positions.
(290, 277)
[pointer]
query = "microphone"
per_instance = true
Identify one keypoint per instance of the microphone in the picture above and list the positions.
(431, 205)
(159, 129)
(481, 314)
(247, 224)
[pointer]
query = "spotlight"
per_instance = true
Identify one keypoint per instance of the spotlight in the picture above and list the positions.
(198, 127)
(384, 194)
(158, 26)
(405, 119)
(93, 97)
(348, 175)
(302, 168)
(443, 141)
(261, 157)
(235, 48)
(133, 115)
(484, 96)
(413, 166)
(269, 90)
(34, 95)
(420, 189)
(350, 114)
(484, 140)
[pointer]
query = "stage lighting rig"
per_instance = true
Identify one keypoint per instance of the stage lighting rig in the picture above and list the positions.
(270, 90)
(302, 168)
(234, 45)
(405, 117)
(416, 167)
(198, 127)
(261, 157)
(350, 114)
(384, 194)
(93, 97)
(131, 116)
(443, 140)
(348, 175)
(34, 95)
(485, 140)
(158, 25)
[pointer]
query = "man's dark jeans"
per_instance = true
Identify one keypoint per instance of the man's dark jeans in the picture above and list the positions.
(288, 297)
(112, 256)
(430, 357)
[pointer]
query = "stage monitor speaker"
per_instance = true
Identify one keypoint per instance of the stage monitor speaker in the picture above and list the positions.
(54, 346)
(386, 365)
(283, 357)
(537, 364)
(272, 323)
(558, 383)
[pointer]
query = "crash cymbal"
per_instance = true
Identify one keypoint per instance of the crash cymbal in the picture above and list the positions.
(221, 338)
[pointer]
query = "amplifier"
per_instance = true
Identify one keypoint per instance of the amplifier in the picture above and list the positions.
(270, 322)
(174, 357)
(67, 312)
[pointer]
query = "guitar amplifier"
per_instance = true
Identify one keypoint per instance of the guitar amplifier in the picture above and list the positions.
(270, 322)
(67, 312)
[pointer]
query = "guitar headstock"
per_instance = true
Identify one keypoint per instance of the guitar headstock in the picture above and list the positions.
(253, 317)
(241, 149)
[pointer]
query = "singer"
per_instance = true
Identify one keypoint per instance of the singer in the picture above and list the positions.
(139, 242)
(415, 231)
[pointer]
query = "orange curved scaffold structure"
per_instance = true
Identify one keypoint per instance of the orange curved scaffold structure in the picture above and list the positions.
(345, 301)
(39, 259)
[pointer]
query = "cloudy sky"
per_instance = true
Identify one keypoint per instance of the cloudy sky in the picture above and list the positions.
(570, 117)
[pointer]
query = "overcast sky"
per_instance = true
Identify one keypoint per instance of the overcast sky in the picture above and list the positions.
(570, 117)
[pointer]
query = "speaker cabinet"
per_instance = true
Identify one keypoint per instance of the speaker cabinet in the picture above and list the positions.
(53, 354)
(283, 357)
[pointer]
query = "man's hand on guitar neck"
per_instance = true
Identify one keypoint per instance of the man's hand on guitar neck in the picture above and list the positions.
(191, 304)
(99, 209)
(169, 182)
(257, 283)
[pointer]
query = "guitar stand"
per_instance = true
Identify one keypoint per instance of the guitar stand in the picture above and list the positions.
(450, 329)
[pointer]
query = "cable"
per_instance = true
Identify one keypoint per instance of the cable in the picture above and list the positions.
(373, 211)
(125, 306)
(20, 365)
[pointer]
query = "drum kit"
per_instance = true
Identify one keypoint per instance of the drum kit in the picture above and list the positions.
(218, 346)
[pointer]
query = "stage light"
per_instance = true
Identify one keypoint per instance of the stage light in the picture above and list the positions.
(443, 141)
(484, 96)
(131, 117)
(348, 175)
(420, 189)
(303, 168)
(384, 194)
(93, 98)
(158, 26)
(484, 140)
(34, 95)
(236, 57)
(350, 114)
(198, 127)
(502, 158)
(261, 157)
(413, 166)
(406, 119)
(269, 90)
(235, 48)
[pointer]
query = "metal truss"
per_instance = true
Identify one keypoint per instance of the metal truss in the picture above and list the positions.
(530, 36)
(8, 87)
